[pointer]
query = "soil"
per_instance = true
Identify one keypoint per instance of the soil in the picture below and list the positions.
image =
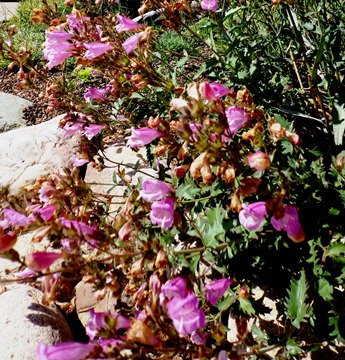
(38, 112)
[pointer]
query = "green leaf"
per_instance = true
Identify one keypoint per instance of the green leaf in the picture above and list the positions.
(296, 307)
(215, 231)
(325, 289)
(337, 252)
(246, 306)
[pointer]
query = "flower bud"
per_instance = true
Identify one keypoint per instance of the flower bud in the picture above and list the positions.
(259, 161)
(7, 240)
(243, 293)
(126, 230)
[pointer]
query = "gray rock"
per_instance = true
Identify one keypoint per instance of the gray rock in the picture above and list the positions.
(24, 323)
(32, 152)
(11, 111)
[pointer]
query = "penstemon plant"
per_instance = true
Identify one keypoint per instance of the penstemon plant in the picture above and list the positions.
(244, 198)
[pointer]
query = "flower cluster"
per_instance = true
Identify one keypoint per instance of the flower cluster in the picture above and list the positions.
(182, 306)
(162, 208)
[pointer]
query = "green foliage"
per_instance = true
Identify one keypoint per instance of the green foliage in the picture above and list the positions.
(295, 302)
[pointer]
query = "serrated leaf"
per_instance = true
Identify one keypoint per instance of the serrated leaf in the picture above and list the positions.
(336, 251)
(246, 306)
(325, 289)
(295, 304)
(215, 231)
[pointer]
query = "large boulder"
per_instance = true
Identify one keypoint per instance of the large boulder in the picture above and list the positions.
(35, 151)
(11, 111)
(25, 322)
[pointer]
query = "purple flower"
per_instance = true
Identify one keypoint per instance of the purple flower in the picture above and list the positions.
(46, 212)
(130, 44)
(98, 321)
(76, 22)
(92, 130)
(66, 350)
(71, 128)
(95, 94)
(174, 288)
(96, 49)
(126, 24)
(57, 47)
(185, 314)
(198, 338)
(216, 290)
(289, 223)
(143, 136)
(211, 5)
(153, 189)
(213, 91)
(41, 260)
(223, 355)
(162, 213)
(251, 216)
(16, 218)
(237, 117)
(77, 161)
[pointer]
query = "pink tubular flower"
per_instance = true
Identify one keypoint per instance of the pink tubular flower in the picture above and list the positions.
(66, 350)
(174, 288)
(162, 213)
(76, 22)
(213, 91)
(41, 260)
(126, 24)
(153, 189)
(71, 128)
(97, 322)
(185, 314)
(96, 49)
(7, 241)
(259, 161)
(16, 218)
(131, 43)
(57, 47)
(198, 338)
(290, 224)
(216, 290)
(143, 136)
(211, 5)
(251, 216)
(45, 212)
(77, 161)
(237, 117)
(92, 130)
(95, 94)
